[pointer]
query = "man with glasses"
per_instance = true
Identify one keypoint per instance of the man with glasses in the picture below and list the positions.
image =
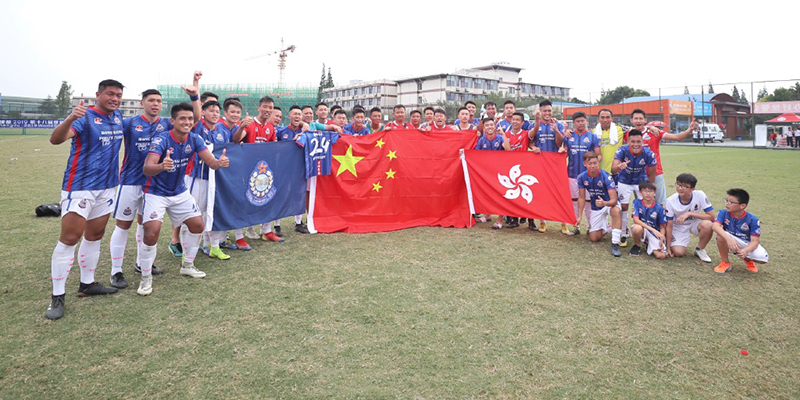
(689, 212)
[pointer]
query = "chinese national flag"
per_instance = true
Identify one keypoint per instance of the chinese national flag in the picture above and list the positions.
(520, 184)
(393, 180)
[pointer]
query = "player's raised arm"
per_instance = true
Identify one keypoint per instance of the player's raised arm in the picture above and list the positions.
(153, 167)
(240, 133)
(63, 131)
(213, 162)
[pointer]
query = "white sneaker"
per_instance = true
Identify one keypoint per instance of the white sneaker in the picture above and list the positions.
(251, 233)
(192, 271)
(146, 285)
(702, 254)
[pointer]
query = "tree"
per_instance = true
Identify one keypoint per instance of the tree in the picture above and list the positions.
(329, 81)
(743, 98)
(63, 100)
(710, 88)
(735, 94)
(321, 84)
(686, 90)
(48, 106)
(762, 93)
(621, 92)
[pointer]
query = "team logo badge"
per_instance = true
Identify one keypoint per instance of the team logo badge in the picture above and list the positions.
(727, 221)
(188, 149)
(154, 215)
(82, 203)
(585, 183)
(139, 128)
(205, 130)
(116, 120)
(745, 227)
(641, 162)
(586, 140)
(261, 188)
(517, 184)
(98, 121)
(653, 215)
(127, 211)
(159, 128)
(219, 137)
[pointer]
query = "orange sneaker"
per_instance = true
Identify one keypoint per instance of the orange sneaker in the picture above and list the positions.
(271, 237)
(242, 245)
(723, 267)
(751, 266)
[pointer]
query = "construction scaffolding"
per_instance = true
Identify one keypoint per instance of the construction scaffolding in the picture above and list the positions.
(249, 94)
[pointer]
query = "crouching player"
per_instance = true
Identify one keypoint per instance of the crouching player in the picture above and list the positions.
(603, 196)
(649, 223)
(165, 191)
(739, 232)
(689, 212)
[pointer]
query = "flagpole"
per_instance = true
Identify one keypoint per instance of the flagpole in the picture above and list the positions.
(469, 188)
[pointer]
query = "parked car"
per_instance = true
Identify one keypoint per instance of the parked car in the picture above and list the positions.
(708, 133)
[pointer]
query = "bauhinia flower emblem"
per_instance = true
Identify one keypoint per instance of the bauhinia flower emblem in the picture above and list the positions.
(517, 184)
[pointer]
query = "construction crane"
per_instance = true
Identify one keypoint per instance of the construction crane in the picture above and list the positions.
(281, 59)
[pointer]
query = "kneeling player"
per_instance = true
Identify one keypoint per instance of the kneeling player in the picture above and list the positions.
(739, 232)
(165, 192)
(649, 223)
(689, 212)
(603, 196)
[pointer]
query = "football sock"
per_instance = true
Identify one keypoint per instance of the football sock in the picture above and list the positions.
(298, 219)
(88, 255)
(624, 215)
(615, 235)
(575, 208)
(191, 241)
(215, 238)
(265, 228)
(239, 234)
(60, 265)
(139, 243)
(119, 239)
(147, 257)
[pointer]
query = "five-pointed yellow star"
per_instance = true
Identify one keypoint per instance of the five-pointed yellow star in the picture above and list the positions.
(380, 143)
(391, 155)
(377, 186)
(390, 174)
(347, 162)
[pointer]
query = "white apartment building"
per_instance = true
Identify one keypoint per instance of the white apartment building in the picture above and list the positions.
(380, 93)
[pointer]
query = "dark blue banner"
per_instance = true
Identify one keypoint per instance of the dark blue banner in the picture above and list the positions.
(265, 182)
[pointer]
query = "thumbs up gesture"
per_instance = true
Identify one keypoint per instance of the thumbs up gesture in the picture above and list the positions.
(167, 164)
(246, 121)
(78, 112)
(191, 90)
(224, 161)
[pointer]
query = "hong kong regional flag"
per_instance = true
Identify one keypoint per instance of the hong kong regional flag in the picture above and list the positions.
(392, 180)
(519, 184)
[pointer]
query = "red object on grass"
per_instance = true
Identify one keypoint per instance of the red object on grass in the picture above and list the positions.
(744, 352)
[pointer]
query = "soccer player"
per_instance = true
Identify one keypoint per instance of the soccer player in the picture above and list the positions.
(322, 113)
(649, 223)
(375, 120)
(546, 135)
(472, 108)
(491, 112)
(289, 132)
(357, 128)
(138, 132)
(517, 141)
(197, 181)
(689, 212)
(308, 114)
(602, 194)
(611, 137)
(634, 164)
(463, 123)
(739, 232)
(333, 112)
(415, 119)
(399, 114)
(259, 129)
(579, 142)
(228, 127)
(652, 137)
(439, 123)
(491, 140)
(165, 192)
(509, 108)
(339, 121)
(87, 192)
(428, 113)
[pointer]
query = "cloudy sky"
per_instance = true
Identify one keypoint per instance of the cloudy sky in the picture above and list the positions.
(585, 45)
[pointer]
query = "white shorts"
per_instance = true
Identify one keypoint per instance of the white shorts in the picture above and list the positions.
(198, 188)
(598, 219)
(89, 204)
(129, 202)
(573, 189)
(759, 254)
(653, 243)
(661, 190)
(179, 207)
(625, 193)
(681, 233)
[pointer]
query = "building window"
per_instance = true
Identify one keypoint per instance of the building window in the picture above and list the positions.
(419, 85)
(451, 96)
(451, 80)
(378, 89)
(468, 82)
(510, 90)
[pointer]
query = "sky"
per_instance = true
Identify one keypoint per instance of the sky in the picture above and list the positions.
(584, 45)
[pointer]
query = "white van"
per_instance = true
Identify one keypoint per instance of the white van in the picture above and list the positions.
(708, 133)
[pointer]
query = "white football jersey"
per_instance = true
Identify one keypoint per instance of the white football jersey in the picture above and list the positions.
(698, 204)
